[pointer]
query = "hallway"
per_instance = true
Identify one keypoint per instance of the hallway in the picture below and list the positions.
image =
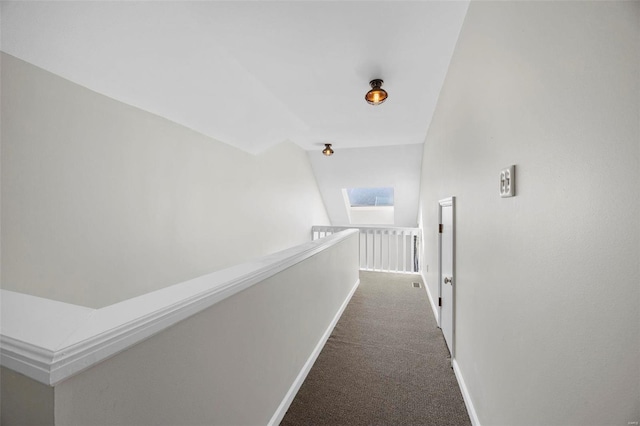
(386, 363)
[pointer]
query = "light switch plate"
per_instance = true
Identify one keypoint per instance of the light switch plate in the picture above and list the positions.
(508, 182)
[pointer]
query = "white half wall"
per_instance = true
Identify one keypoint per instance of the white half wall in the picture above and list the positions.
(102, 201)
(230, 347)
(231, 364)
(547, 318)
(24, 401)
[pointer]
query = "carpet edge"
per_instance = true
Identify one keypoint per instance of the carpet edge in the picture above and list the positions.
(302, 375)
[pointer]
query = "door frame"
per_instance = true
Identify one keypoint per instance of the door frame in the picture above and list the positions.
(446, 202)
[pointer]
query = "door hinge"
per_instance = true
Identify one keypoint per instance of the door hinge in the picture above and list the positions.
(440, 228)
(439, 301)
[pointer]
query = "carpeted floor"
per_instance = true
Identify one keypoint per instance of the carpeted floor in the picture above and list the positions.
(386, 363)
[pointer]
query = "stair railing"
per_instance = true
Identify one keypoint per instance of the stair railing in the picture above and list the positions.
(385, 249)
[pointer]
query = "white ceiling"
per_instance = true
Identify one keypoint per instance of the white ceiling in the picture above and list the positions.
(252, 74)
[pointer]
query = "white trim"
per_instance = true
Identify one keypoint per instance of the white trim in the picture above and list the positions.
(27, 359)
(434, 307)
(35, 343)
(331, 228)
(448, 202)
(466, 396)
(295, 386)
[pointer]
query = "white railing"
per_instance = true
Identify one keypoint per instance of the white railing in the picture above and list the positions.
(382, 249)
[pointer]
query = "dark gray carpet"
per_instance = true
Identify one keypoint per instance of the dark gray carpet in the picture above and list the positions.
(386, 363)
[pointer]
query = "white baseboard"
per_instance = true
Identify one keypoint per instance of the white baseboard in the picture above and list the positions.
(434, 307)
(465, 394)
(295, 386)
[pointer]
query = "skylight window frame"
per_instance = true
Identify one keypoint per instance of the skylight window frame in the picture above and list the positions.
(370, 214)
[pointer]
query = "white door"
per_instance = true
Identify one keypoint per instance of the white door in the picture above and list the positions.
(447, 279)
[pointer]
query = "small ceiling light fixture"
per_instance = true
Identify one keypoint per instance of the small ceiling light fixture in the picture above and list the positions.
(327, 149)
(377, 94)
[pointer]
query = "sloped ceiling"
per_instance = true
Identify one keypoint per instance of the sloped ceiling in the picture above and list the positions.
(252, 74)
(387, 166)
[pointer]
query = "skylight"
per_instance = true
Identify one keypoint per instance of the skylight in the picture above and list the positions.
(369, 206)
(364, 197)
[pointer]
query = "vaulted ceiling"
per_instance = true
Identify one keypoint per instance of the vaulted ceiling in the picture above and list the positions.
(252, 74)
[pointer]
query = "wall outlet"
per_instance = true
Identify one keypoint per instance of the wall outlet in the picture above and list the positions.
(508, 182)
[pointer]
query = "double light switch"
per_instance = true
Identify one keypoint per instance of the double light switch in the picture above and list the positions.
(508, 182)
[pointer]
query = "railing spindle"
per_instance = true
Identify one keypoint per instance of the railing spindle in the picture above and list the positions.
(404, 252)
(367, 234)
(372, 242)
(395, 233)
(388, 250)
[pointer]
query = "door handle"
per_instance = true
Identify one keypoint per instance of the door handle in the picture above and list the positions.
(448, 280)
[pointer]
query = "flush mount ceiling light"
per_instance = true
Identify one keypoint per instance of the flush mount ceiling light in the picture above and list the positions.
(327, 149)
(377, 94)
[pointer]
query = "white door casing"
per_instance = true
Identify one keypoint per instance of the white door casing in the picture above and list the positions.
(446, 271)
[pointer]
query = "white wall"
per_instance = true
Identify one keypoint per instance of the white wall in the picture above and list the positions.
(102, 201)
(395, 166)
(548, 326)
(231, 364)
(368, 215)
(24, 401)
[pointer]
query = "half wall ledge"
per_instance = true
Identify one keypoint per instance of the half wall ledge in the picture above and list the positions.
(50, 341)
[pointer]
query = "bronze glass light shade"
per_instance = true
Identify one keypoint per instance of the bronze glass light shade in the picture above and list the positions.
(377, 94)
(327, 149)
